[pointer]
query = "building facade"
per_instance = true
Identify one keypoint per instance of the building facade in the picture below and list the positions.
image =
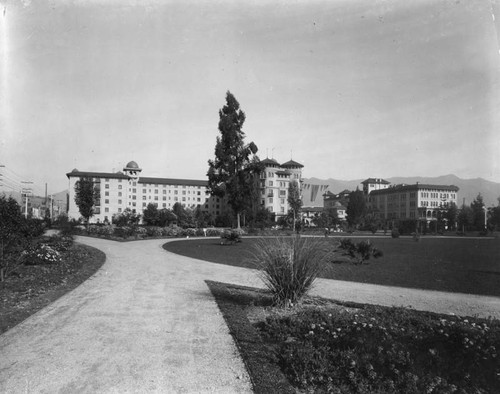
(274, 183)
(128, 189)
(420, 201)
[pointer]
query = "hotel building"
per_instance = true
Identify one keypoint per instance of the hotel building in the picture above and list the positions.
(128, 189)
(420, 201)
(274, 183)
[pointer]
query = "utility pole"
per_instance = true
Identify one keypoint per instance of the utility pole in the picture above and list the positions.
(26, 191)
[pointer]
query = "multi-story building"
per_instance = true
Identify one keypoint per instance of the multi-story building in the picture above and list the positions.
(128, 189)
(420, 201)
(274, 182)
(372, 184)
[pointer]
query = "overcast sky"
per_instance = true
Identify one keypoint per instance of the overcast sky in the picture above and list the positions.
(351, 89)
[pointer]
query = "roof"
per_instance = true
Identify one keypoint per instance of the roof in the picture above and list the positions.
(418, 186)
(131, 165)
(375, 180)
(82, 174)
(283, 172)
(119, 175)
(312, 209)
(292, 163)
(270, 162)
(171, 181)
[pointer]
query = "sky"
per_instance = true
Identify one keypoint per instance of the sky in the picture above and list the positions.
(350, 88)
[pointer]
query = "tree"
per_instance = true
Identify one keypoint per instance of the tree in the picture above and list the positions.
(451, 214)
(165, 217)
(11, 237)
(232, 173)
(494, 215)
(478, 212)
(328, 218)
(356, 208)
(126, 218)
(465, 218)
(294, 200)
(85, 196)
(151, 215)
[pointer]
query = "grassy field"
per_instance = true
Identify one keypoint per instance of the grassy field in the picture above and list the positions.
(454, 264)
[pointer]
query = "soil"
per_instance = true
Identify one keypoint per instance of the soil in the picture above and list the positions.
(33, 287)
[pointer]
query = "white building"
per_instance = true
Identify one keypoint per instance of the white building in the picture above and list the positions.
(128, 189)
(274, 183)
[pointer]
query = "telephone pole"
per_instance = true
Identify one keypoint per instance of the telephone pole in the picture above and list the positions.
(26, 191)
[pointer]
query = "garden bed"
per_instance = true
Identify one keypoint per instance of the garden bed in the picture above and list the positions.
(32, 287)
(324, 346)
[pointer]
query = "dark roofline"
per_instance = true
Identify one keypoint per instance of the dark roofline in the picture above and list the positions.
(81, 174)
(292, 163)
(418, 186)
(376, 180)
(171, 181)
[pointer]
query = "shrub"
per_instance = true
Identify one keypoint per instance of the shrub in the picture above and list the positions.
(172, 231)
(41, 254)
(289, 267)
(124, 231)
(151, 231)
(395, 233)
(213, 232)
(361, 251)
(190, 232)
(230, 236)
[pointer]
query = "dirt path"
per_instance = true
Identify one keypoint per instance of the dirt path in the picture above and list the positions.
(146, 322)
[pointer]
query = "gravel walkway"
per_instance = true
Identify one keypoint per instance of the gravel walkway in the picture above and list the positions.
(146, 322)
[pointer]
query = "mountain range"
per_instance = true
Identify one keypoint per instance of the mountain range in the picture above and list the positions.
(313, 188)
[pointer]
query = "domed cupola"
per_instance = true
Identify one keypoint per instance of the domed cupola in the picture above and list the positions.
(132, 169)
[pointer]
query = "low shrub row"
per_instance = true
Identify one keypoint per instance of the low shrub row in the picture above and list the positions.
(389, 350)
(141, 232)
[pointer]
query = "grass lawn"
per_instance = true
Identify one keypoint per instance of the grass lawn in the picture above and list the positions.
(33, 287)
(454, 264)
(323, 346)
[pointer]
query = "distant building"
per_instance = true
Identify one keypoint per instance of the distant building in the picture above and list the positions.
(337, 201)
(372, 184)
(274, 182)
(128, 189)
(420, 201)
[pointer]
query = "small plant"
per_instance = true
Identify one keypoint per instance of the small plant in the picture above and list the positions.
(289, 267)
(230, 237)
(361, 251)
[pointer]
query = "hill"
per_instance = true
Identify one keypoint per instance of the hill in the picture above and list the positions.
(313, 188)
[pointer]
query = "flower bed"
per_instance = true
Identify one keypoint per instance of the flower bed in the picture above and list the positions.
(386, 350)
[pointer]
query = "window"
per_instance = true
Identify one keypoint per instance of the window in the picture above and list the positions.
(164, 192)
(106, 209)
(119, 201)
(144, 190)
(119, 194)
(156, 191)
(106, 201)
(120, 187)
(164, 205)
(270, 200)
(270, 183)
(143, 197)
(134, 198)
(134, 183)
(176, 192)
(119, 210)
(106, 186)
(143, 204)
(107, 179)
(156, 198)
(164, 198)
(134, 190)
(106, 193)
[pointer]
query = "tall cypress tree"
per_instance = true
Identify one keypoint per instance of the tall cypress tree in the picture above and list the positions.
(85, 196)
(232, 173)
(356, 208)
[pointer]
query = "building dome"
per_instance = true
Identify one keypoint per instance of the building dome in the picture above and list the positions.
(132, 164)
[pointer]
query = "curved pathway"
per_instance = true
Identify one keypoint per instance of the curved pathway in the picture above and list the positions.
(147, 322)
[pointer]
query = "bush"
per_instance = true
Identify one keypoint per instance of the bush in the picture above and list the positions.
(289, 267)
(172, 231)
(395, 233)
(151, 231)
(213, 232)
(41, 254)
(231, 236)
(361, 251)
